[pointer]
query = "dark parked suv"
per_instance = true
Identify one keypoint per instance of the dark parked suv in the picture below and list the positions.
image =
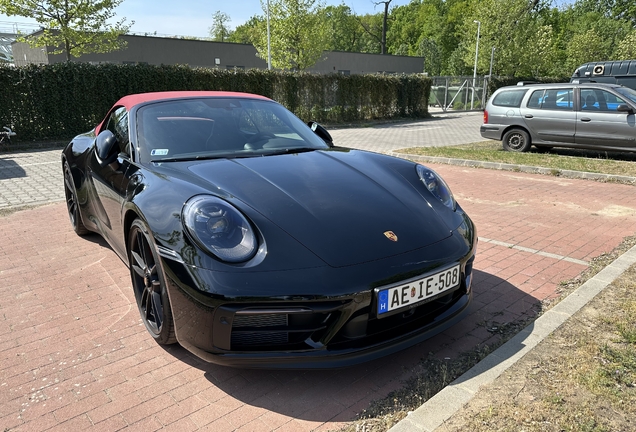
(588, 115)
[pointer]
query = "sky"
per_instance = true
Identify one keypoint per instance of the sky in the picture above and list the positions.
(194, 17)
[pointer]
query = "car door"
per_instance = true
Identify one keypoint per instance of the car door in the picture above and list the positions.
(110, 183)
(549, 115)
(599, 123)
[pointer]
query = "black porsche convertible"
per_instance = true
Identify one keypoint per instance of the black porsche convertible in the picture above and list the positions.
(253, 241)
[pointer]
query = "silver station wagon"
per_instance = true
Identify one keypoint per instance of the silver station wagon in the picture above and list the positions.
(590, 116)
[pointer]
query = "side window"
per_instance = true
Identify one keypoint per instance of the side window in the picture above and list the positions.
(509, 98)
(599, 100)
(564, 99)
(552, 99)
(535, 99)
(558, 99)
(118, 125)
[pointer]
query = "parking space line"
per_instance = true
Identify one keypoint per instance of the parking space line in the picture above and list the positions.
(417, 129)
(534, 251)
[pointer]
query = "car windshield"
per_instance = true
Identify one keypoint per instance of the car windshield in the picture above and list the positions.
(627, 92)
(207, 128)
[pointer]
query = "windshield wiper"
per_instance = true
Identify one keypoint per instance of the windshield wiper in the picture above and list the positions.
(289, 151)
(189, 158)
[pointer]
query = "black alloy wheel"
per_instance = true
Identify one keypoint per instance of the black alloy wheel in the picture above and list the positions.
(516, 140)
(148, 284)
(72, 205)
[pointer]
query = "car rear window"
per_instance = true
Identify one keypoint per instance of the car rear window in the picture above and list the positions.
(509, 98)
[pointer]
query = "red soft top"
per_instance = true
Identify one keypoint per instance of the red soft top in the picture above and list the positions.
(132, 100)
(135, 99)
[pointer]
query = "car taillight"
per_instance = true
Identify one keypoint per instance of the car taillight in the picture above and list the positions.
(485, 117)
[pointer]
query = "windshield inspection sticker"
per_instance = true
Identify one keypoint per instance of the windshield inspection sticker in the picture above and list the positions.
(158, 152)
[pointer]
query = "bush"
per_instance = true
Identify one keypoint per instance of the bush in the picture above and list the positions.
(64, 99)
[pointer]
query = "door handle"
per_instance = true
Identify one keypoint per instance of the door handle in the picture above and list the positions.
(585, 119)
(528, 116)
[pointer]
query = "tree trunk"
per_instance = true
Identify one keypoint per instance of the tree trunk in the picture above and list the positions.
(384, 19)
(67, 49)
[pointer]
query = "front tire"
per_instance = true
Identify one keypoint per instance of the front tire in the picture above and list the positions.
(72, 204)
(149, 284)
(516, 140)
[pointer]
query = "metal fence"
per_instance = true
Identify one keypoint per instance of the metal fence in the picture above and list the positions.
(459, 93)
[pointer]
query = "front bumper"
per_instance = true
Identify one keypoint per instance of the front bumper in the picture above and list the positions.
(317, 317)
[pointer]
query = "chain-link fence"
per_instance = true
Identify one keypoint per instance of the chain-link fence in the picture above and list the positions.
(459, 93)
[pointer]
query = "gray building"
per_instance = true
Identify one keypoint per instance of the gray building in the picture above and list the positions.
(199, 53)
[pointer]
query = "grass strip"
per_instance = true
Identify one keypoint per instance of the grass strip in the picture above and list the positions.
(557, 159)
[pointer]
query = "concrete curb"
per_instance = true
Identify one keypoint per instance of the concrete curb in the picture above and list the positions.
(517, 168)
(447, 402)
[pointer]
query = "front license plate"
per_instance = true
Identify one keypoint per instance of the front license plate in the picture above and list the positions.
(417, 291)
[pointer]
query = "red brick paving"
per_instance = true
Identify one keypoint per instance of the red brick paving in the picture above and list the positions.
(74, 354)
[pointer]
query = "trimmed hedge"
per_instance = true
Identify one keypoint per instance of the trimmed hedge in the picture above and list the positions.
(64, 99)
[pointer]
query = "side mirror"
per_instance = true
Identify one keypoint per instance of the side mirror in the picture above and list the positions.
(624, 108)
(321, 132)
(106, 143)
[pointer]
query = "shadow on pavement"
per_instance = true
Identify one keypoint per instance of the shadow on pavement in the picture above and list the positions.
(10, 169)
(318, 395)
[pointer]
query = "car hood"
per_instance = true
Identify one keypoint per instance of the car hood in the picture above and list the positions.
(338, 204)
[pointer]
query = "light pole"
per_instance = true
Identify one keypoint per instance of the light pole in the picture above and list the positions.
(475, 69)
(492, 57)
(269, 51)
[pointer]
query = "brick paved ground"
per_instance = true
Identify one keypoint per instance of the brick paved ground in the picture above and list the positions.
(29, 177)
(74, 354)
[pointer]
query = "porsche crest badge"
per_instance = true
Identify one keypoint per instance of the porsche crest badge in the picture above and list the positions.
(391, 235)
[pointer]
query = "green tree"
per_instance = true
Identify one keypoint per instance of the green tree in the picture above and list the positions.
(414, 22)
(433, 29)
(626, 49)
(524, 46)
(372, 38)
(73, 27)
(586, 47)
(590, 32)
(385, 23)
(246, 33)
(452, 33)
(432, 59)
(343, 29)
(298, 33)
(219, 30)
(614, 9)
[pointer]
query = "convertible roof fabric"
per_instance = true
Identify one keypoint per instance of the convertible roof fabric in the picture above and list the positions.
(135, 99)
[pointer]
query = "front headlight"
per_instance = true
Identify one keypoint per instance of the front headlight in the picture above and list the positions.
(437, 186)
(219, 228)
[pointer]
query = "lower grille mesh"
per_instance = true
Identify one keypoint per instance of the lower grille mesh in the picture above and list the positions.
(256, 338)
(280, 328)
(264, 320)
